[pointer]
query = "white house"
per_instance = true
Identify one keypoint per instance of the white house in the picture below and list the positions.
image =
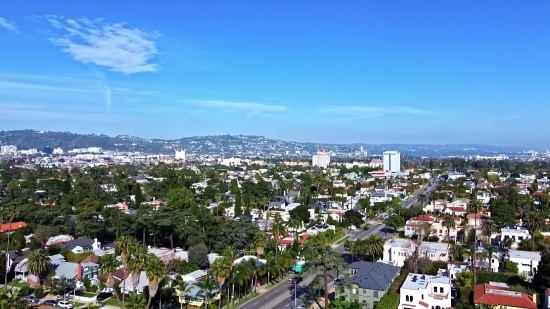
(397, 250)
(527, 261)
(434, 251)
(518, 234)
(424, 291)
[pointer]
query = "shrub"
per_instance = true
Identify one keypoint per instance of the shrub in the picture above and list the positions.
(25, 290)
(92, 289)
(39, 292)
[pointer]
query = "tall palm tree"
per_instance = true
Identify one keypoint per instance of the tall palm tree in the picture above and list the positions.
(533, 222)
(137, 262)
(488, 228)
(109, 265)
(124, 247)
(278, 229)
(259, 243)
(352, 247)
(206, 287)
(270, 266)
(38, 262)
(182, 288)
(154, 269)
(322, 262)
(489, 248)
(449, 223)
(375, 246)
(8, 214)
(221, 270)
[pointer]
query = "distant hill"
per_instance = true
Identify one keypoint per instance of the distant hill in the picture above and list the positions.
(230, 145)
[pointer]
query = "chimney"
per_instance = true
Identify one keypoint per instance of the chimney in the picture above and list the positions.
(79, 272)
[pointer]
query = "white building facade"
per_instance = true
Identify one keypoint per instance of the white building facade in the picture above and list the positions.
(321, 159)
(425, 291)
(527, 261)
(180, 155)
(392, 161)
(397, 250)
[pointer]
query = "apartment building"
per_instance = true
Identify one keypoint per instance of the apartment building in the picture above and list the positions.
(434, 251)
(527, 261)
(397, 250)
(424, 291)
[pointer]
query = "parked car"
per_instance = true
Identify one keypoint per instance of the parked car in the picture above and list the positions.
(65, 304)
(31, 299)
(103, 296)
(50, 302)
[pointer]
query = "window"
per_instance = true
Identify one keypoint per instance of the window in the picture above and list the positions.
(435, 289)
(364, 291)
(422, 296)
(376, 294)
(374, 304)
(354, 291)
(407, 298)
(411, 299)
(440, 290)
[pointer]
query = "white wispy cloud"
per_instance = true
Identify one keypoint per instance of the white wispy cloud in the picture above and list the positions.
(230, 106)
(113, 46)
(359, 112)
(6, 24)
(30, 111)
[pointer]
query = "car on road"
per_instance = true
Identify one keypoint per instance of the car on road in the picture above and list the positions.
(302, 306)
(31, 299)
(65, 304)
(50, 302)
(380, 223)
(103, 296)
(296, 280)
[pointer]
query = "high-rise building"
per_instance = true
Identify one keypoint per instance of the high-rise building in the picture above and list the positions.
(321, 159)
(392, 161)
(180, 155)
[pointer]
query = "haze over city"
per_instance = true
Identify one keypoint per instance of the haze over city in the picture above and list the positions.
(380, 72)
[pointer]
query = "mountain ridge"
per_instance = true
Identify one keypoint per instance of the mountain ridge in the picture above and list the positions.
(229, 144)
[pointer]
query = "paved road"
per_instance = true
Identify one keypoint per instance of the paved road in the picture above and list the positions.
(426, 190)
(282, 296)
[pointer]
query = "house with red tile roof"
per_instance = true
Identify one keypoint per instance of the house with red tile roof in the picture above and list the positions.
(12, 227)
(497, 294)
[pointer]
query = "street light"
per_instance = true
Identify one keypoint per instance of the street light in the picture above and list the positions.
(295, 288)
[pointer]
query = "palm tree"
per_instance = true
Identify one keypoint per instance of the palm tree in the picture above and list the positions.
(124, 247)
(533, 222)
(8, 214)
(422, 198)
(322, 262)
(206, 287)
(490, 251)
(182, 288)
(109, 265)
(278, 229)
(221, 270)
(488, 228)
(259, 243)
(449, 223)
(154, 269)
(375, 246)
(352, 248)
(38, 262)
(137, 262)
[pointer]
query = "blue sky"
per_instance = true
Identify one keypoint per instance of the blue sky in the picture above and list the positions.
(319, 71)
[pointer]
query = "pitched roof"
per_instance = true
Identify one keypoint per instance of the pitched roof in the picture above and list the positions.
(499, 296)
(12, 227)
(373, 276)
(82, 242)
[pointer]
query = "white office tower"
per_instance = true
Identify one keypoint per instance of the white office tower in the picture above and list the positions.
(392, 161)
(180, 155)
(321, 159)
(58, 151)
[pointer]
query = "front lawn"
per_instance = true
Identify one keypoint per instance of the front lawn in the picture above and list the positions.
(111, 302)
(77, 304)
(90, 295)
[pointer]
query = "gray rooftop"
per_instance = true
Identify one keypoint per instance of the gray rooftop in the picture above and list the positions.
(399, 242)
(419, 281)
(528, 255)
(373, 276)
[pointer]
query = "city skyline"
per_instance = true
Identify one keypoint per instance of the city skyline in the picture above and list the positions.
(434, 73)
